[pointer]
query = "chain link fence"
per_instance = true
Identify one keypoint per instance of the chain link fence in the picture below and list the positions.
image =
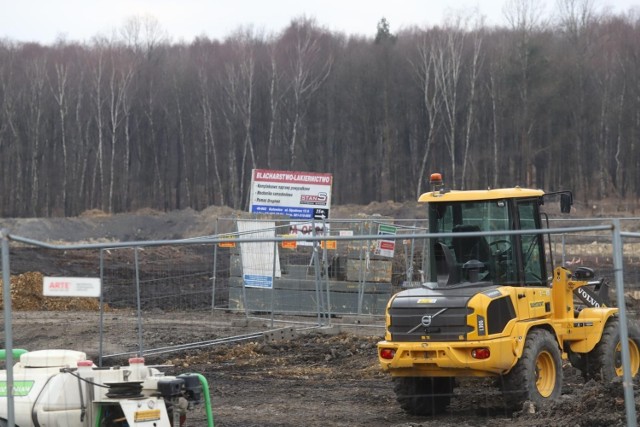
(323, 273)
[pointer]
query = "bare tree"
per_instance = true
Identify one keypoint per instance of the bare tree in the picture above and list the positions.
(276, 95)
(128, 122)
(308, 69)
(209, 138)
(238, 87)
(525, 18)
(574, 17)
(448, 68)
(83, 147)
(9, 129)
(99, 101)
(145, 36)
(476, 64)
(495, 96)
(59, 91)
(424, 70)
(119, 81)
(143, 33)
(182, 175)
(36, 78)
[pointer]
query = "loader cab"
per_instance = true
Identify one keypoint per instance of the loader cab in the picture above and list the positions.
(474, 250)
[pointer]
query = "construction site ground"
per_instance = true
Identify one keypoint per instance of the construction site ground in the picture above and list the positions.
(326, 376)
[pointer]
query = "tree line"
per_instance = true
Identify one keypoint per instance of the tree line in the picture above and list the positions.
(133, 120)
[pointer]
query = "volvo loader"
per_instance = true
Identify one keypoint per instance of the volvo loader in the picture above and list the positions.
(487, 308)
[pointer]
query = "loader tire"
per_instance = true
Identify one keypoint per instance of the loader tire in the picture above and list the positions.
(423, 395)
(604, 362)
(537, 376)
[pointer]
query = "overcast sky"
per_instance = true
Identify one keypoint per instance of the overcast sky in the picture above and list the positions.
(45, 21)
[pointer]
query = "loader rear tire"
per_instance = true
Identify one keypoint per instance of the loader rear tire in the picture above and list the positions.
(423, 395)
(604, 362)
(537, 376)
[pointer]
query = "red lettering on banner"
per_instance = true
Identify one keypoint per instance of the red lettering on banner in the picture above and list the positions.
(387, 245)
(59, 285)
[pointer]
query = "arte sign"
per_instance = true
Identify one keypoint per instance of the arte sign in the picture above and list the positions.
(298, 195)
(71, 287)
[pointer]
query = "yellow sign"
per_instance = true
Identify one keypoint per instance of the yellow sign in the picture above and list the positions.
(329, 244)
(147, 415)
(227, 244)
(289, 244)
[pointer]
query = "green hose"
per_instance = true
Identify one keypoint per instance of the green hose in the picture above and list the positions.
(17, 352)
(205, 387)
(99, 416)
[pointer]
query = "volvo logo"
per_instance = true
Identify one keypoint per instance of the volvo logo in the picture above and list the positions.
(587, 298)
(426, 320)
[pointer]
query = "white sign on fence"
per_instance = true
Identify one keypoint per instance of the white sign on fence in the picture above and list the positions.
(385, 247)
(258, 257)
(308, 229)
(71, 287)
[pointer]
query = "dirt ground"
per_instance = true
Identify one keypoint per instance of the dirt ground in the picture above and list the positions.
(320, 377)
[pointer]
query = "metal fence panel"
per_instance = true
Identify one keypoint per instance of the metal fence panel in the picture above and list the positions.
(151, 287)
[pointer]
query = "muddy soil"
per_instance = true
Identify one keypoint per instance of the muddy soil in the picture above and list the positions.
(319, 377)
(316, 380)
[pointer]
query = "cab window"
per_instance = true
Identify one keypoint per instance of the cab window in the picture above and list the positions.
(460, 253)
(531, 247)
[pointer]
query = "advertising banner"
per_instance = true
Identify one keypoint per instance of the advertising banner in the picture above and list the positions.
(298, 195)
(71, 287)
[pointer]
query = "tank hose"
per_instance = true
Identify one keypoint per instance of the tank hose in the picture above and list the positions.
(207, 398)
(98, 416)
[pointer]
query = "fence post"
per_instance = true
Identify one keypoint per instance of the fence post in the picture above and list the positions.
(627, 380)
(273, 278)
(325, 269)
(316, 265)
(412, 253)
(8, 326)
(361, 272)
(137, 267)
(215, 268)
(101, 326)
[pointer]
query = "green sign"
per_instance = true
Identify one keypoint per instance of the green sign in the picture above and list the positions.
(387, 229)
(20, 388)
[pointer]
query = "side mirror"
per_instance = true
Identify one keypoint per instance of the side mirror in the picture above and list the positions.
(584, 273)
(566, 200)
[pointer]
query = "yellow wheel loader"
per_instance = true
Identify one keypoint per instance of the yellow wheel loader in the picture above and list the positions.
(488, 309)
